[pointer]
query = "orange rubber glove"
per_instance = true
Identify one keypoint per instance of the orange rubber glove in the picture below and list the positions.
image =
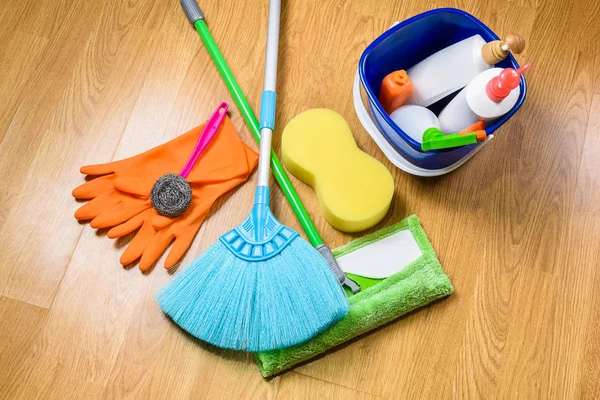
(156, 231)
(123, 192)
(223, 159)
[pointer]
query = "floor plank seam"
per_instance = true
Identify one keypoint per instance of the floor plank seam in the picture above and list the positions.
(337, 384)
(25, 302)
(585, 136)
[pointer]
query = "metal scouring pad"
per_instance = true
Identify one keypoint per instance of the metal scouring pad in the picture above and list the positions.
(171, 195)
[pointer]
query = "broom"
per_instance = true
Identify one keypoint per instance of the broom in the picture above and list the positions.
(196, 18)
(261, 286)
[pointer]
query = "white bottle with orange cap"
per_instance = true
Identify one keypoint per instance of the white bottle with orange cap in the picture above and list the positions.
(490, 95)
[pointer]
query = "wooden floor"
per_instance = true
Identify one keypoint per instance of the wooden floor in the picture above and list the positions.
(517, 228)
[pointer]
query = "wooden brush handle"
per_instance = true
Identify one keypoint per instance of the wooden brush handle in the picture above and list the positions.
(495, 51)
(516, 43)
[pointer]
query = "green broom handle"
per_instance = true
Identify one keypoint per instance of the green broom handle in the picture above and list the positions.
(242, 103)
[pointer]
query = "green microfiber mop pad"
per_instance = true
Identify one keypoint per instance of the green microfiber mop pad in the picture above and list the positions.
(381, 301)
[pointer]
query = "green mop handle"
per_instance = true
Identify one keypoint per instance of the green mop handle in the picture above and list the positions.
(197, 19)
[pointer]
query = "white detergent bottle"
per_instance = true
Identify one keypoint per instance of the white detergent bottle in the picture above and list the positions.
(452, 68)
(490, 95)
(414, 120)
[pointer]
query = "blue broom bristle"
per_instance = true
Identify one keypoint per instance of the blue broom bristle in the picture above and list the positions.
(255, 306)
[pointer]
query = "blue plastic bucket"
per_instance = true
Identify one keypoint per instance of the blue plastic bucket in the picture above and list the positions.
(401, 47)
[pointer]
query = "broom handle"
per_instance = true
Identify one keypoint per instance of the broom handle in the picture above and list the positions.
(196, 18)
(268, 100)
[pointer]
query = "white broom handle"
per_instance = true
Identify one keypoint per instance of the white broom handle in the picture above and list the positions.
(267, 106)
(272, 45)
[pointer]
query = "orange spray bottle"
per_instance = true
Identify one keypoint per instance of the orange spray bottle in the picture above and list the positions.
(395, 89)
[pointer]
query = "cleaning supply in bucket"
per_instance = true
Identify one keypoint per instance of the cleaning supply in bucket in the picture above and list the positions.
(395, 89)
(415, 279)
(119, 193)
(171, 194)
(354, 189)
(196, 18)
(477, 126)
(414, 120)
(453, 67)
(403, 45)
(434, 139)
(490, 95)
(261, 286)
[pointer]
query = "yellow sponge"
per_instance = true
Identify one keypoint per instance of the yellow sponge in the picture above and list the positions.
(354, 189)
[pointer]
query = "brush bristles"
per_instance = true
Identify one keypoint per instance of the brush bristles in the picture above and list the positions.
(255, 306)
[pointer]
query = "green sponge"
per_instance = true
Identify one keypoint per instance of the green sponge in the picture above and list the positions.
(381, 301)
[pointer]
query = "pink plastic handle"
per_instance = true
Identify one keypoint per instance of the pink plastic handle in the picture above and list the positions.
(208, 133)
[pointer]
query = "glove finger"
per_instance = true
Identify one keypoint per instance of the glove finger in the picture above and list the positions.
(94, 207)
(99, 169)
(156, 248)
(94, 188)
(251, 157)
(127, 227)
(182, 243)
(201, 203)
(120, 213)
(140, 186)
(140, 242)
(160, 222)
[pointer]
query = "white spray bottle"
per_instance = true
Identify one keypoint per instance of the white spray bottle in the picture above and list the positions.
(453, 67)
(489, 96)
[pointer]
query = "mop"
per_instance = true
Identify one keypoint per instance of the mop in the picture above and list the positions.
(414, 279)
(411, 278)
(261, 286)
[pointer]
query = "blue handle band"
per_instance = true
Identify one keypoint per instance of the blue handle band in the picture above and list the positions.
(267, 110)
